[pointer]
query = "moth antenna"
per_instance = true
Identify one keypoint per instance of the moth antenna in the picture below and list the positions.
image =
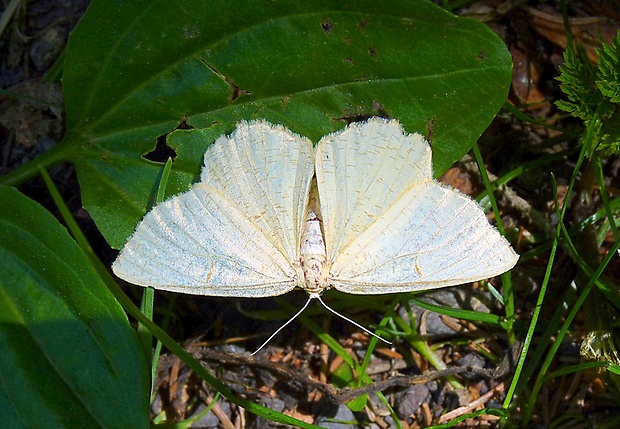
(283, 326)
(351, 321)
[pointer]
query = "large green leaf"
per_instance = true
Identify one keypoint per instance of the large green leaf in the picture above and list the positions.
(135, 70)
(68, 357)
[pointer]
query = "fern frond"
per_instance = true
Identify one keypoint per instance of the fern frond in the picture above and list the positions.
(593, 95)
(578, 82)
(609, 67)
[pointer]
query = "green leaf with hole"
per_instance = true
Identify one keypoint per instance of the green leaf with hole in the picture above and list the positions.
(68, 357)
(137, 70)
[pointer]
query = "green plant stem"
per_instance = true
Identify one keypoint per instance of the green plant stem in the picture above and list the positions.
(532, 327)
(148, 296)
(508, 294)
(421, 346)
(27, 171)
(605, 196)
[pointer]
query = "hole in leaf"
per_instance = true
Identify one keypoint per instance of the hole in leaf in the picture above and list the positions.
(183, 124)
(327, 26)
(430, 130)
(236, 91)
(377, 109)
(162, 151)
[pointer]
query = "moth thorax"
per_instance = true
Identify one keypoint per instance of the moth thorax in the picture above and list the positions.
(313, 256)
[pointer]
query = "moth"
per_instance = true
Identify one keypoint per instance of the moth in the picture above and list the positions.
(360, 212)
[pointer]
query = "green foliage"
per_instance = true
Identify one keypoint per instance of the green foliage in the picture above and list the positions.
(309, 66)
(67, 352)
(593, 94)
(609, 66)
(578, 82)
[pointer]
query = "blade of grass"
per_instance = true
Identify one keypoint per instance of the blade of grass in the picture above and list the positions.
(148, 295)
(413, 337)
(459, 313)
(513, 110)
(522, 169)
(600, 177)
(551, 328)
(7, 14)
(509, 302)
